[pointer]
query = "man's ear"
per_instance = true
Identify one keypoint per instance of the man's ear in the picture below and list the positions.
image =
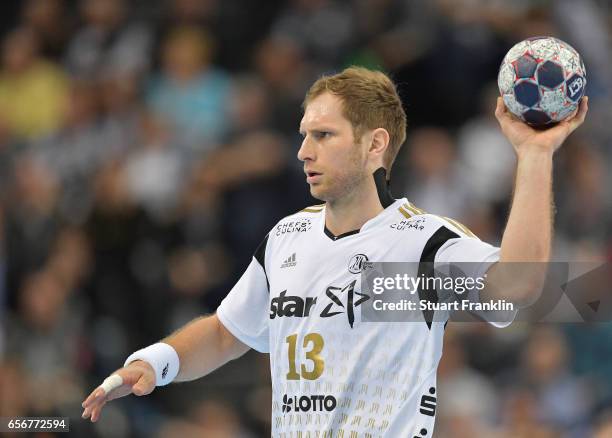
(380, 141)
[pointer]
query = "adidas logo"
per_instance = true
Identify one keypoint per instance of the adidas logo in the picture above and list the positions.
(290, 262)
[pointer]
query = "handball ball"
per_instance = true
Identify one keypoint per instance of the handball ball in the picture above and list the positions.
(542, 80)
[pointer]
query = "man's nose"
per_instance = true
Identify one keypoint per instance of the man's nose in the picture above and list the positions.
(306, 151)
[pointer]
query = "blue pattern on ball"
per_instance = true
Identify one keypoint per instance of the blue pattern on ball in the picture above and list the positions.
(550, 74)
(536, 118)
(525, 66)
(527, 93)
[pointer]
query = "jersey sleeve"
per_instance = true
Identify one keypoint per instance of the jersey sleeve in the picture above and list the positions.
(244, 311)
(475, 258)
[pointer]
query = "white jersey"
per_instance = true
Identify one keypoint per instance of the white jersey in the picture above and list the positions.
(332, 374)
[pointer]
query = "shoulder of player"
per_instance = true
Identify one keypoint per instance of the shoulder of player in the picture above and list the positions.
(423, 220)
(313, 209)
(453, 225)
(307, 212)
(298, 222)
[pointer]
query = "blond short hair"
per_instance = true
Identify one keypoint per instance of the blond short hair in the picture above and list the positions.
(369, 101)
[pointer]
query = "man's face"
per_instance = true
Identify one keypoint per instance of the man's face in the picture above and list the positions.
(335, 165)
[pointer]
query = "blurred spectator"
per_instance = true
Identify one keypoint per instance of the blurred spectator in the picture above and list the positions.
(285, 70)
(70, 257)
(46, 338)
(31, 220)
(487, 158)
(433, 183)
(237, 26)
(252, 184)
(74, 148)
(201, 14)
(121, 108)
(191, 93)
(249, 105)
(108, 42)
(464, 54)
(393, 33)
(520, 416)
(591, 357)
(51, 21)
(585, 198)
(114, 227)
(200, 206)
(32, 90)
(561, 399)
(467, 401)
(324, 28)
(155, 169)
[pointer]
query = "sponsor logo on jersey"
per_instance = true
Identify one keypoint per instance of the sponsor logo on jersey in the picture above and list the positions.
(300, 307)
(356, 263)
(409, 224)
(289, 305)
(296, 226)
(290, 262)
(309, 403)
(428, 403)
(337, 307)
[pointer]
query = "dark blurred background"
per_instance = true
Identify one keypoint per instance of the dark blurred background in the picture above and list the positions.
(146, 147)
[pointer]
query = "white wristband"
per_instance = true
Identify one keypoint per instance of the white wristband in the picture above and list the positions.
(162, 357)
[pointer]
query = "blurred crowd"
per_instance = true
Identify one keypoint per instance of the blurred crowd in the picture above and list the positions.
(146, 147)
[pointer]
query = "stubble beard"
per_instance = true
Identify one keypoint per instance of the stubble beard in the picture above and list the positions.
(347, 182)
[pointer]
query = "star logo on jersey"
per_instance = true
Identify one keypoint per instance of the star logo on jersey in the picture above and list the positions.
(334, 294)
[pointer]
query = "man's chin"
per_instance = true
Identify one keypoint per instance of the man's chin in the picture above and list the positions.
(317, 192)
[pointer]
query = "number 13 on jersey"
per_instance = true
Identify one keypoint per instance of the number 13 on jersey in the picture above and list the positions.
(312, 366)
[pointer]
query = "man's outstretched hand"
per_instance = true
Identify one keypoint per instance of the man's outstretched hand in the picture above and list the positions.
(522, 136)
(137, 378)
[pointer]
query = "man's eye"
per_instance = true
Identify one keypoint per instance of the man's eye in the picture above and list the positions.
(322, 134)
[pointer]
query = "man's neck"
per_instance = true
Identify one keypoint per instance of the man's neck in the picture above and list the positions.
(351, 212)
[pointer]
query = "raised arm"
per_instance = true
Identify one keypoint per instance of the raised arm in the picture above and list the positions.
(528, 234)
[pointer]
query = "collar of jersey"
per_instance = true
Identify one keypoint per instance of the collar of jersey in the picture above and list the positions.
(370, 223)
